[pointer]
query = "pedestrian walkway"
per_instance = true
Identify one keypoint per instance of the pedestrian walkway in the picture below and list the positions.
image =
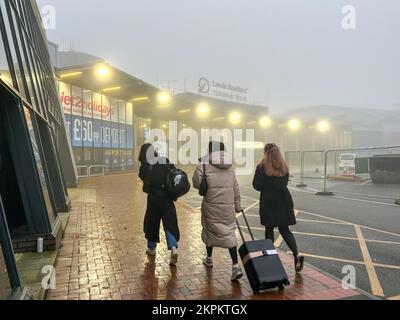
(103, 255)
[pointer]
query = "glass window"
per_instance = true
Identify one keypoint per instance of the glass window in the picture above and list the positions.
(39, 165)
(9, 36)
(115, 160)
(106, 131)
(77, 124)
(87, 121)
(76, 101)
(65, 98)
(97, 107)
(122, 134)
(87, 104)
(5, 74)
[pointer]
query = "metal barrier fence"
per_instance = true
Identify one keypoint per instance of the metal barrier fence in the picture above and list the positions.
(88, 171)
(85, 169)
(366, 172)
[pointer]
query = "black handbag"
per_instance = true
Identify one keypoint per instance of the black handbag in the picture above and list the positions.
(204, 184)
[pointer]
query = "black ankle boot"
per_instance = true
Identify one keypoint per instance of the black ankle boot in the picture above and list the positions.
(299, 263)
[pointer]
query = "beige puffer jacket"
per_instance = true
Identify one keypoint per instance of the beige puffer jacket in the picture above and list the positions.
(222, 201)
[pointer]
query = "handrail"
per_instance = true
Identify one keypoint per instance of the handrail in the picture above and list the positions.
(97, 175)
(87, 171)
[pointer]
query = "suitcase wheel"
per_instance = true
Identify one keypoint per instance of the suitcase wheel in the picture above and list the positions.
(281, 287)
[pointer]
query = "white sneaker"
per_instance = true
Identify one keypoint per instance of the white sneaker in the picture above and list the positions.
(208, 262)
(174, 256)
(236, 273)
(151, 252)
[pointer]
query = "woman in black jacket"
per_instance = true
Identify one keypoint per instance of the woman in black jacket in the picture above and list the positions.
(276, 202)
(160, 207)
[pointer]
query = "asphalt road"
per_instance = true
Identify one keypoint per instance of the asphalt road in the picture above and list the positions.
(358, 226)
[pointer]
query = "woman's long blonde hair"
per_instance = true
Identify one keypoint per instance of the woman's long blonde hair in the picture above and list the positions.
(273, 163)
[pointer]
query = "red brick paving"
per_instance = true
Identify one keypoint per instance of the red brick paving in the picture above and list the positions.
(103, 256)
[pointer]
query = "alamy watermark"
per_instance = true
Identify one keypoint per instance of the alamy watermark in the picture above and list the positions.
(349, 20)
(188, 146)
(349, 279)
(49, 17)
(49, 278)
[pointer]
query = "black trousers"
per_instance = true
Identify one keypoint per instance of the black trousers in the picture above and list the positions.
(160, 208)
(286, 234)
(232, 251)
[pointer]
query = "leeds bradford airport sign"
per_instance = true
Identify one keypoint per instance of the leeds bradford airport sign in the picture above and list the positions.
(222, 90)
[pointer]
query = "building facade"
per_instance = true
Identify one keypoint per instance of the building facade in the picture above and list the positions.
(34, 177)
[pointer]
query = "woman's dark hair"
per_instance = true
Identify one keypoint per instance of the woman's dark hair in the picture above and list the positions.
(144, 151)
(215, 146)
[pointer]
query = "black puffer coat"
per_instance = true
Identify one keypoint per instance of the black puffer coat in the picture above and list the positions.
(276, 202)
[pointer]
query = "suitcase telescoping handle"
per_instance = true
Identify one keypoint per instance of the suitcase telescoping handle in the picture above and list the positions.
(248, 227)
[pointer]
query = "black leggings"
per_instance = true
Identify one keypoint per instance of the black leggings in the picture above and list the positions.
(286, 234)
(232, 251)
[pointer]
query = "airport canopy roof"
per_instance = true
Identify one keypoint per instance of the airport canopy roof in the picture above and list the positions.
(103, 78)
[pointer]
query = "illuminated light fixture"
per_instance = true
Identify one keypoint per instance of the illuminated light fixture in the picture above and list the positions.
(185, 111)
(164, 98)
(323, 126)
(111, 89)
(265, 122)
(235, 117)
(102, 71)
(294, 125)
(203, 110)
(70, 74)
(140, 99)
(219, 119)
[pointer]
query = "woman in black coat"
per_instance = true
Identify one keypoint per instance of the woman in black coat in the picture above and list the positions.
(160, 207)
(276, 202)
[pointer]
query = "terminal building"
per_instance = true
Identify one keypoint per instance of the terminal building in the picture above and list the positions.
(36, 161)
(110, 113)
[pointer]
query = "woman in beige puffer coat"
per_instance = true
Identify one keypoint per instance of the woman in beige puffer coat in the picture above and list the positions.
(220, 205)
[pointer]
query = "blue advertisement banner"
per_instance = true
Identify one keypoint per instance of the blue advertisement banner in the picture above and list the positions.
(96, 133)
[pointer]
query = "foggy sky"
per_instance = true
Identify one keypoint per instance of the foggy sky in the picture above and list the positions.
(289, 53)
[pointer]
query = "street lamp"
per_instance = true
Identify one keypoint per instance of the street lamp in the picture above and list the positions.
(294, 125)
(323, 126)
(102, 71)
(235, 117)
(203, 110)
(265, 122)
(164, 98)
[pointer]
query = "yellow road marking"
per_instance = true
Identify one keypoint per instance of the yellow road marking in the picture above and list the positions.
(373, 277)
(348, 261)
(335, 237)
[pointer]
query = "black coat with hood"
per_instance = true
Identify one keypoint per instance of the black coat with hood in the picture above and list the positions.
(160, 207)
